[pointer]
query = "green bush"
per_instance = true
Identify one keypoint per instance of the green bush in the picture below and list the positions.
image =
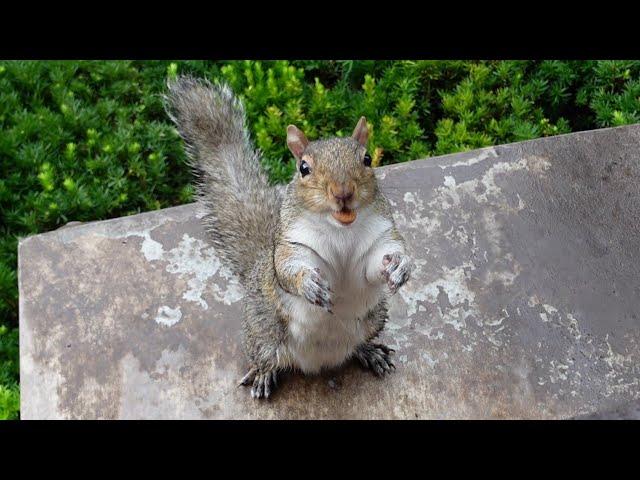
(90, 140)
(9, 390)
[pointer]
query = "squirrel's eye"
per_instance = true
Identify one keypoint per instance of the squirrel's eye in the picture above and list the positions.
(367, 159)
(304, 169)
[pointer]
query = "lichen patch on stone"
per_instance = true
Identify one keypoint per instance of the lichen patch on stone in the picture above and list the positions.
(151, 249)
(168, 316)
(420, 218)
(450, 292)
(487, 153)
(194, 259)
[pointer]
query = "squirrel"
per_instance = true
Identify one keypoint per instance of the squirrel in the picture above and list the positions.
(318, 259)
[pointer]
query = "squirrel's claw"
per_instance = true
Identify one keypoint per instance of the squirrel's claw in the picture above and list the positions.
(376, 357)
(249, 377)
(396, 270)
(264, 384)
(316, 290)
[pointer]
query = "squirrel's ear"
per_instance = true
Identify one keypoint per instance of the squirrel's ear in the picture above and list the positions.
(296, 141)
(361, 132)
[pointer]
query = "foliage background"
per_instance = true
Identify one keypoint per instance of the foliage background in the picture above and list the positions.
(89, 140)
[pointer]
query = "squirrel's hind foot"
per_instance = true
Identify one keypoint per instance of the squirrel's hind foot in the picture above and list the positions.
(377, 357)
(262, 383)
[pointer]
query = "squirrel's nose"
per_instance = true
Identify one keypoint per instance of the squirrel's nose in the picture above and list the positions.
(342, 192)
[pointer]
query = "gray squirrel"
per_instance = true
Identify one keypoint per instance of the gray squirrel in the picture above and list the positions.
(318, 260)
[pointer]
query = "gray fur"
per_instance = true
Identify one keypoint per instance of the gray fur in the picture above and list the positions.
(262, 327)
(231, 187)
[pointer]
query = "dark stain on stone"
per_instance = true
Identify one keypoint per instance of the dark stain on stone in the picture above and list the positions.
(443, 300)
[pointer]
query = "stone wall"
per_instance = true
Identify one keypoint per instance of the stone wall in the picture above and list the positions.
(524, 302)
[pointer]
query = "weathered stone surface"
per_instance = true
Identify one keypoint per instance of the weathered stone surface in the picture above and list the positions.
(629, 411)
(524, 302)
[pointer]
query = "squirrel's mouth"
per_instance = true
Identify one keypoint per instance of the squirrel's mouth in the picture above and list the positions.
(345, 216)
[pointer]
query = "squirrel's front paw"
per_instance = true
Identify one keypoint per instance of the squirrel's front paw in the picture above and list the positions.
(316, 290)
(396, 269)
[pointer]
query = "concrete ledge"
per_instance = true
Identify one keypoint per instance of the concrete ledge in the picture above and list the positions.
(525, 301)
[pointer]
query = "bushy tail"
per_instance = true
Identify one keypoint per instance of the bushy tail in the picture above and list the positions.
(241, 208)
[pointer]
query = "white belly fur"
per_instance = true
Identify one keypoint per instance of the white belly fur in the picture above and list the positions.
(318, 339)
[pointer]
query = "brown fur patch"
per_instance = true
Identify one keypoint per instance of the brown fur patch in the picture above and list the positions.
(336, 162)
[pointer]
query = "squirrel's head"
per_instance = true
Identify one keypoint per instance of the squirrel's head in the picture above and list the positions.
(333, 175)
